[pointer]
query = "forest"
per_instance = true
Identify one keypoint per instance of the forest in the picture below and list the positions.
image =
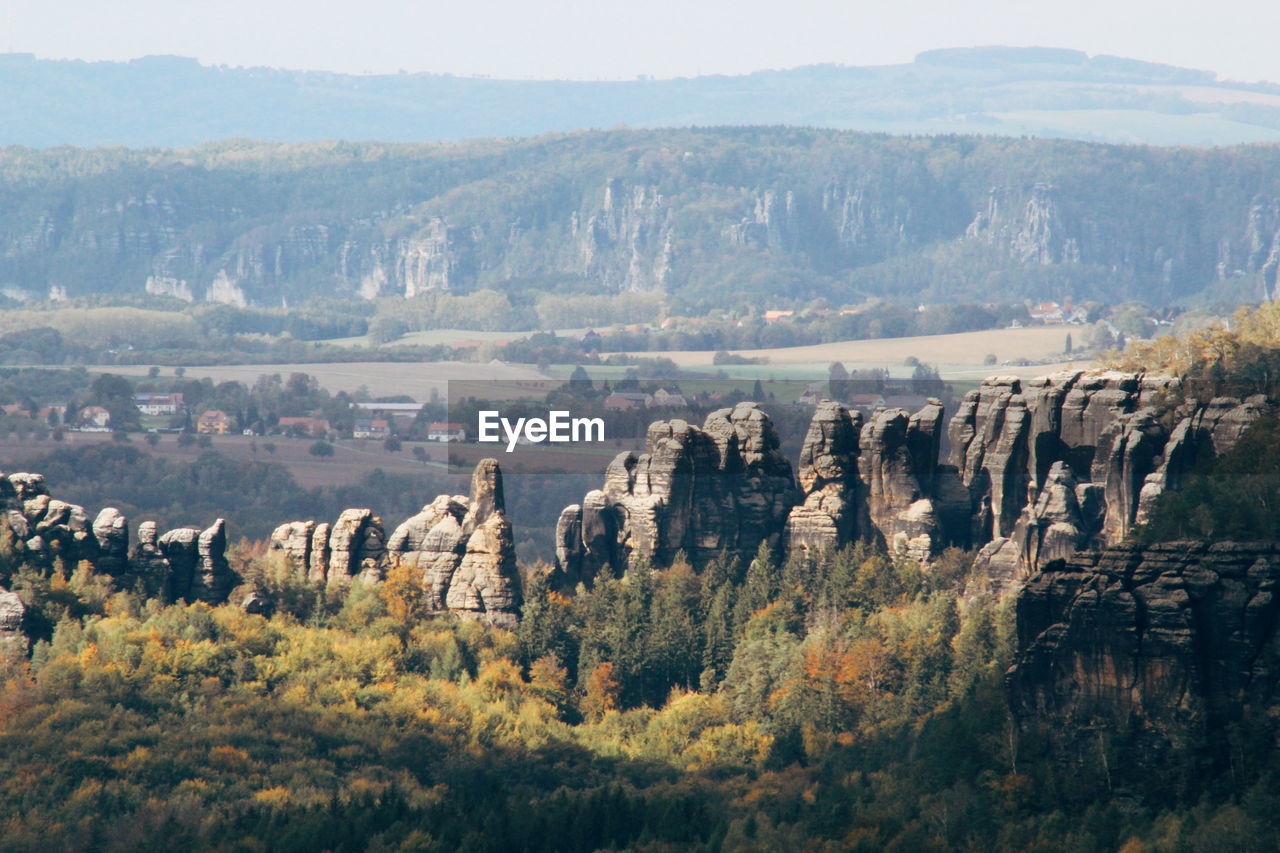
(851, 701)
(717, 218)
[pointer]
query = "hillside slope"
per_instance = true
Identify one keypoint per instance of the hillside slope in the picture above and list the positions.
(166, 100)
(711, 217)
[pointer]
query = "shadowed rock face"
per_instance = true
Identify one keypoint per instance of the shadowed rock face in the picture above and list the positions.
(829, 481)
(723, 487)
(464, 551)
(898, 465)
(1173, 641)
(213, 579)
(357, 548)
(111, 530)
(13, 643)
(1037, 470)
(1022, 447)
(294, 539)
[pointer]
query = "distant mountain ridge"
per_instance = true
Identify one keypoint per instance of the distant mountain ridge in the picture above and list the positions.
(171, 101)
(709, 218)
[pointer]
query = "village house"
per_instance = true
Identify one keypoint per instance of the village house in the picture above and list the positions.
(813, 394)
(314, 427)
(1049, 313)
(372, 428)
(54, 415)
(866, 402)
(625, 401)
(664, 398)
(158, 404)
(774, 316)
(213, 422)
(446, 432)
(93, 417)
(391, 408)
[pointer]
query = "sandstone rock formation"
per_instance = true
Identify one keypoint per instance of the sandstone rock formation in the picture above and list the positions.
(898, 465)
(111, 530)
(294, 539)
(357, 548)
(459, 547)
(464, 550)
(213, 579)
(1075, 460)
(723, 487)
(1170, 641)
(486, 584)
(1038, 469)
(13, 643)
(432, 544)
(829, 480)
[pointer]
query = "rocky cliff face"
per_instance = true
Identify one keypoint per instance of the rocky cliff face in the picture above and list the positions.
(722, 487)
(672, 210)
(1069, 461)
(1172, 642)
(459, 547)
(186, 564)
(1038, 470)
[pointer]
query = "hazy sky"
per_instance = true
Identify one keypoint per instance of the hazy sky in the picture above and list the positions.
(588, 39)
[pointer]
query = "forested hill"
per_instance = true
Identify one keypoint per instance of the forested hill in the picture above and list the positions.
(167, 100)
(711, 217)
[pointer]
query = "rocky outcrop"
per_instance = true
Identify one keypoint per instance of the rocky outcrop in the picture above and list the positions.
(1172, 642)
(459, 548)
(486, 584)
(13, 642)
(213, 579)
(111, 530)
(47, 530)
(898, 464)
(44, 528)
(357, 548)
(1038, 469)
(147, 559)
(464, 551)
(293, 539)
(1075, 460)
(180, 548)
(723, 487)
(318, 567)
(827, 517)
(432, 543)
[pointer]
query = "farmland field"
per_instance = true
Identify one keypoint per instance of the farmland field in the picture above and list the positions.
(964, 350)
(382, 379)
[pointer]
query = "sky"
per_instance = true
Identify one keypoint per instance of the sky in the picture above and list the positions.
(608, 39)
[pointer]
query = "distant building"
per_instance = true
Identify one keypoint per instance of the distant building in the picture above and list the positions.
(775, 316)
(372, 428)
(392, 408)
(663, 397)
(93, 416)
(625, 401)
(16, 409)
(54, 414)
(315, 427)
(1049, 313)
(813, 395)
(213, 422)
(158, 404)
(867, 402)
(446, 432)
